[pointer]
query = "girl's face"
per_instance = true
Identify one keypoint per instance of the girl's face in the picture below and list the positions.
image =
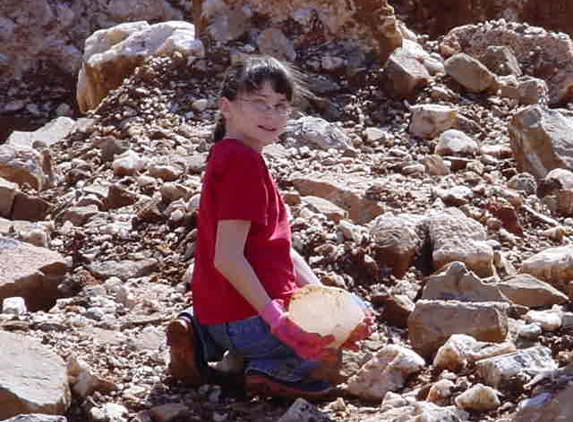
(256, 118)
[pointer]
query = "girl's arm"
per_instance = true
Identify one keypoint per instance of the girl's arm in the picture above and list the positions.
(303, 273)
(230, 261)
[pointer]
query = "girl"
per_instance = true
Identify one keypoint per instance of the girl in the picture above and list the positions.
(245, 269)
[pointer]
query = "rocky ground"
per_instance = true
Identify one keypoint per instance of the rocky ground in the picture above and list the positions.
(117, 199)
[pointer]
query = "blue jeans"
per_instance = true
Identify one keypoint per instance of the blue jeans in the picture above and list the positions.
(251, 338)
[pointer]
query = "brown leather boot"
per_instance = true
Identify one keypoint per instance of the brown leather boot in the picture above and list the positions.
(182, 360)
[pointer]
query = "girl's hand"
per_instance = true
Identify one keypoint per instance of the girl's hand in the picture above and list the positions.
(364, 329)
(306, 345)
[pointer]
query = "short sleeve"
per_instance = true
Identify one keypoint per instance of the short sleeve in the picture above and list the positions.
(241, 190)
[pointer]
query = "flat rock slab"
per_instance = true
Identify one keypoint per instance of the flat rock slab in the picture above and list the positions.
(124, 269)
(30, 272)
(33, 379)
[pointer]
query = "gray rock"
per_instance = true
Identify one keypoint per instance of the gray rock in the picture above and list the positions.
(526, 290)
(124, 269)
(316, 132)
(501, 60)
(469, 73)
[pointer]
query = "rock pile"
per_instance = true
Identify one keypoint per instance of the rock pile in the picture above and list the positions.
(433, 202)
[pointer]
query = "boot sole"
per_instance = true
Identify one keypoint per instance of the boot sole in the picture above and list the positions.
(182, 363)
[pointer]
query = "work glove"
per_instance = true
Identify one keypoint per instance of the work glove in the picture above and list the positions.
(307, 345)
(362, 330)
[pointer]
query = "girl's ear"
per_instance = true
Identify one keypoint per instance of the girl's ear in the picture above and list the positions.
(225, 106)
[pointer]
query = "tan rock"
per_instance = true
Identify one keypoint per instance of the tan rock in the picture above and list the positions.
(479, 397)
(553, 265)
(404, 75)
(396, 242)
(540, 140)
(349, 196)
(440, 391)
(456, 237)
(527, 290)
(462, 350)
(433, 322)
(30, 272)
(454, 281)
(22, 165)
(469, 73)
(33, 379)
(501, 61)
(325, 207)
(429, 120)
(7, 193)
(456, 142)
(386, 371)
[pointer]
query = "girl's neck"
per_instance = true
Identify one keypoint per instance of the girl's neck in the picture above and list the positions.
(239, 137)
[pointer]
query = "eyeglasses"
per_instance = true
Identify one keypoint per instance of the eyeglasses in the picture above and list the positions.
(262, 107)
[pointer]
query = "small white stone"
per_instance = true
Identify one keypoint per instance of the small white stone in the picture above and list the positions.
(479, 397)
(14, 305)
(200, 105)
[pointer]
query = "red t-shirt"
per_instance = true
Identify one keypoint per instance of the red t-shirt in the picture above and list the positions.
(238, 186)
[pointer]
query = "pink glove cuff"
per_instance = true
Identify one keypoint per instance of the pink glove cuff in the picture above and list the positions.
(273, 313)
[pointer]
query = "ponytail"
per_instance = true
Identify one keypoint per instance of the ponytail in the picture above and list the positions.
(219, 131)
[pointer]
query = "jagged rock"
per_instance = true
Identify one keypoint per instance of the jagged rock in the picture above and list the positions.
(532, 91)
(7, 193)
(501, 61)
(26, 270)
(112, 54)
(501, 368)
(316, 132)
(435, 165)
(455, 282)
(479, 397)
(456, 237)
(396, 242)
(429, 120)
(552, 265)
(349, 196)
(32, 378)
(386, 371)
(456, 142)
(462, 350)
(469, 73)
(371, 23)
(526, 290)
(433, 322)
(404, 75)
(554, 64)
